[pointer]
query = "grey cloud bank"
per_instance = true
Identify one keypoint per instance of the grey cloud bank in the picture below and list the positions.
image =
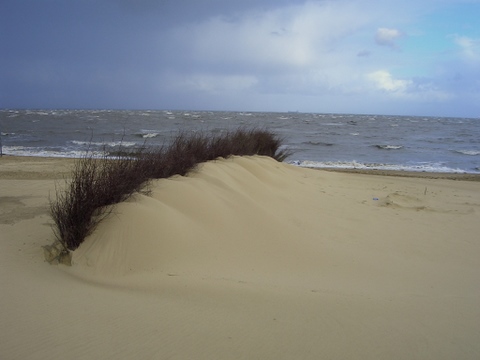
(314, 56)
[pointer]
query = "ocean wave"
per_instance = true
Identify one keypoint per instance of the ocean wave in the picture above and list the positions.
(147, 135)
(318, 143)
(38, 152)
(423, 167)
(468, 152)
(332, 124)
(110, 144)
(150, 135)
(388, 147)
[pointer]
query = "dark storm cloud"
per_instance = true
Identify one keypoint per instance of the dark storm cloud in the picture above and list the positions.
(217, 54)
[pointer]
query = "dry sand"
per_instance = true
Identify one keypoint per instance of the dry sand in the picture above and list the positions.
(246, 258)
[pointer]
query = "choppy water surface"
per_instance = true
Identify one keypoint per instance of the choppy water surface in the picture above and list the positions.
(317, 140)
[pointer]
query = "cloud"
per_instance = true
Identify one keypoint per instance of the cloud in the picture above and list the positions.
(470, 48)
(285, 37)
(322, 54)
(311, 53)
(385, 81)
(387, 37)
(415, 89)
(297, 48)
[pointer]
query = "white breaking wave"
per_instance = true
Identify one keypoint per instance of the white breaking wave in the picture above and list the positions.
(426, 167)
(333, 124)
(468, 152)
(149, 135)
(111, 143)
(389, 147)
(33, 151)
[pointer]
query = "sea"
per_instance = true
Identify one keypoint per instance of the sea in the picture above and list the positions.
(344, 141)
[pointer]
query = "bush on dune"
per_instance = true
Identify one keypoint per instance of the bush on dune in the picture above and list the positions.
(99, 183)
(95, 184)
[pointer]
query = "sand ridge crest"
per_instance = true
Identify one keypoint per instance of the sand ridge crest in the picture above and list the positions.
(219, 210)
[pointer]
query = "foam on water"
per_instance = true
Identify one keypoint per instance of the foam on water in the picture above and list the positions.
(149, 135)
(426, 167)
(388, 147)
(28, 151)
(468, 152)
(100, 144)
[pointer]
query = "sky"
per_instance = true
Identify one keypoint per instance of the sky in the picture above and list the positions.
(409, 57)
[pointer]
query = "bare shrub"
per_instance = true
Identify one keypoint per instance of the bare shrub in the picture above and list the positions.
(99, 183)
(96, 183)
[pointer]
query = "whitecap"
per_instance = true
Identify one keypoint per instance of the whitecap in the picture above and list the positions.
(150, 135)
(468, 152)
(120, 143)
(388, 147)
(111, 143)
(333, 124)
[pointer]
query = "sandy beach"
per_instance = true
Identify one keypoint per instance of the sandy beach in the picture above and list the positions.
(247, 258)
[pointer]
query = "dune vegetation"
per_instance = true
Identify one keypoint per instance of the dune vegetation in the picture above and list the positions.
(97, 183)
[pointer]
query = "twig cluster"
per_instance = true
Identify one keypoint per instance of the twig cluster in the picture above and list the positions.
(98, 183)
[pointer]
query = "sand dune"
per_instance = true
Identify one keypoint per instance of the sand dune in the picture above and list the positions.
(248, 258)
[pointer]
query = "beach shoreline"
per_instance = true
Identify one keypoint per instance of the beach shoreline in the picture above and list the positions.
(411, 174)
(60, 167)
(246, 257)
